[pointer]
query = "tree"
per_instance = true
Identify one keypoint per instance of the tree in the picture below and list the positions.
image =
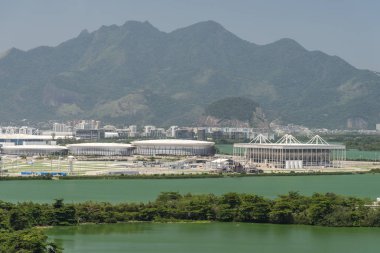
(26, 241)
(281, 213)
(63, 214)
(232, 199)
(18, 219)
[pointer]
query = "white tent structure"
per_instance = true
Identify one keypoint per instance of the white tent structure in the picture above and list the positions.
(289, 153)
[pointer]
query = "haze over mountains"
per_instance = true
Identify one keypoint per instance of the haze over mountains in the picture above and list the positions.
(136, 74)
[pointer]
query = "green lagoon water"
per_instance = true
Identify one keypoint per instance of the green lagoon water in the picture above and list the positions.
(213, 237)
(137, 190)
(200, 237)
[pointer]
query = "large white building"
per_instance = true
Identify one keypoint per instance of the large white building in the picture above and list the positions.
(24, 139)
(133, 131)
(289, 153)
(29, 145)
(174, 147)
(34, 150)
(61, 128)
(101, 149)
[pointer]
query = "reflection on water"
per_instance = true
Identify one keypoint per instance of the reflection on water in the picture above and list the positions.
(213, 237)
(106, 229)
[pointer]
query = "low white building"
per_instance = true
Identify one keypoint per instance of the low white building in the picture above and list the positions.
(32, 150)
(174, 147)
(24, 139)
(101, 149)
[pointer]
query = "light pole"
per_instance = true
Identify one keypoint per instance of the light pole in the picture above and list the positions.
(2, 166)
(71, 166)
(59, 163)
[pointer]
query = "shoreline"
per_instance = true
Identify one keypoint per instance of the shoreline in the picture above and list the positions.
(191, 175)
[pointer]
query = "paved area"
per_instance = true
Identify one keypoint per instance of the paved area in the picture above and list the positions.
(13, 166)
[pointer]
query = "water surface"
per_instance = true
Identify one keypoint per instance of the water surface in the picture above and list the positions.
(213, 237)
(137, 190)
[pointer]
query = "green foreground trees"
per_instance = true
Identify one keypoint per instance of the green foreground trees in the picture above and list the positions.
(26, 241)
(18, 221)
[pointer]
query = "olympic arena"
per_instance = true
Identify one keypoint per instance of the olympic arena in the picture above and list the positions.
(34, 150)
(101, 149)
(174, 147)
(289, 153)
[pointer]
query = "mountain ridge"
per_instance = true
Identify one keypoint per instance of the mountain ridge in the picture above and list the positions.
(122, 68)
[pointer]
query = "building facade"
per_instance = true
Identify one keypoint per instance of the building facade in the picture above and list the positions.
(101, 149)
(289, 153)
(174, 147)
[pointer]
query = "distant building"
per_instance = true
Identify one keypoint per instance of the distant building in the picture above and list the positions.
(61, 128)
(26, 130)
(19, 130)
(184, 133)
(171, 131)
(158, 133)
(148, 130)
(91, 134)
(109, 128)
(111, 135)
(88, 124)
(217, 135)
(133, 131)
(201, 134)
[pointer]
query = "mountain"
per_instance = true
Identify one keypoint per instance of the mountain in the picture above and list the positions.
(136, 74)
(238, 108)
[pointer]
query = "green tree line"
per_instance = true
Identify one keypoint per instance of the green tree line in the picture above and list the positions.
(18, 222)
(356, 141)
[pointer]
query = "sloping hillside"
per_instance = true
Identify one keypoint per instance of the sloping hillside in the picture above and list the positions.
(135, 73)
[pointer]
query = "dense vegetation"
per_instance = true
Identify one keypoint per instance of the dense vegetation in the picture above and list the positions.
(319, 209)
(371, 143)
(238, 108)
(17, 221)
(26, 241)
(17, 232)
(355, 141)
(136, 74)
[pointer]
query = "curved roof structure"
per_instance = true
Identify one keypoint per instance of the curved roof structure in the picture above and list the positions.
(101, 149)
(172, 142)
(25, 137)
(34, 147)
(104, 145)
(33, 150)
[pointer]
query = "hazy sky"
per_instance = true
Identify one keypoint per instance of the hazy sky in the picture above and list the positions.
(347, 28)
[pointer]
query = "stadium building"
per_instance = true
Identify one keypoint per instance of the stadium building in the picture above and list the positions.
(289, 153)
(33, 150)
(29, 145)
(101, 149)
(24, 139)
(174, 147)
